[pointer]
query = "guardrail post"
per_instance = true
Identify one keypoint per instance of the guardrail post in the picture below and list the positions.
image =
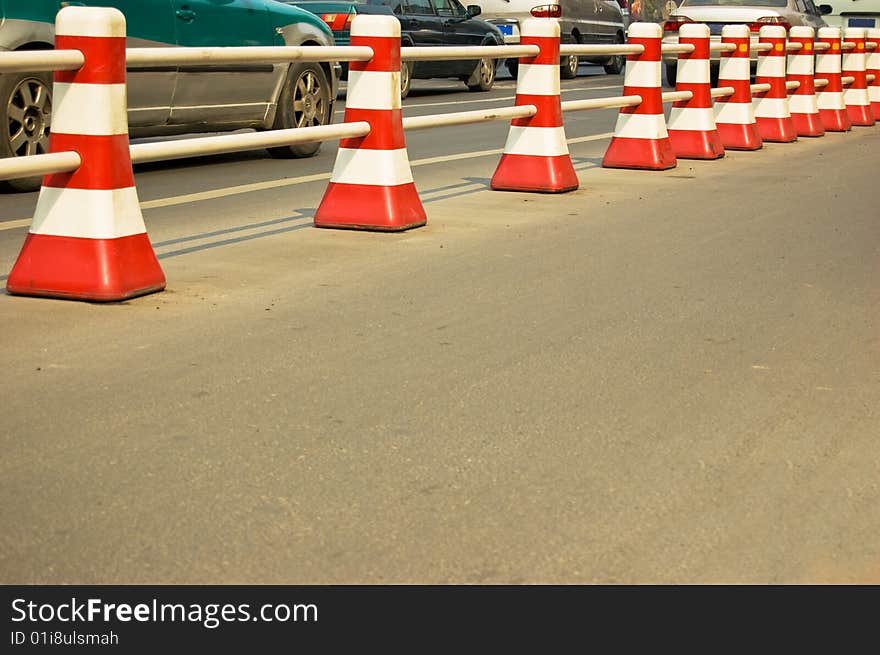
(802, 102)
(858, 106)
(692, 131)
(372, 187)
(873, 67)
(640, 138)
(832, 110)
(88, 240)
(536, 156)
(735, 115)
(772, 112)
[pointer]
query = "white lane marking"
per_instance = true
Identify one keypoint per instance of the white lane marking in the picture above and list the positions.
(303, 179)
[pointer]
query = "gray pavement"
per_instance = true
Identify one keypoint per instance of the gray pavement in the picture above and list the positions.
(659, 378)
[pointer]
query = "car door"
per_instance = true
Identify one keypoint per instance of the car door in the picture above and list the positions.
(425, 28)
(457, 31)
(228, 93)
(149, 23)
(607, 20)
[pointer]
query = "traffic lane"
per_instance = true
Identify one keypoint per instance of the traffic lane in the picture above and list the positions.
(657, 378)
(162, 184)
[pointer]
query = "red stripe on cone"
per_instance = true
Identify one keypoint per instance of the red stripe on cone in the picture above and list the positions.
(104, 59)
(370, 207)
(102, 166)
(99, 270)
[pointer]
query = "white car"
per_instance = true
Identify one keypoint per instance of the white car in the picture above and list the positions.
(851, 13)
(580, 21)
(754, 13)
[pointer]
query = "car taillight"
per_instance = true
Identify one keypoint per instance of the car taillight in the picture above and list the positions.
(547, 11)
(624, 4)
(769, 20)
(338, 22)
(675, 22)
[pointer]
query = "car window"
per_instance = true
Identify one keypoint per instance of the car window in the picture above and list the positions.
(801, 6)
(811, 7)
(443, 7)
(419, 7)
(397, 8)
(459, 8)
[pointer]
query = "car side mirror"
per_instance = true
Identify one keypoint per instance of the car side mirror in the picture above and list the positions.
(474, 10)
(824, 10)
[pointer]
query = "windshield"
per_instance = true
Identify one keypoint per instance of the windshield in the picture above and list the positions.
(734, 3)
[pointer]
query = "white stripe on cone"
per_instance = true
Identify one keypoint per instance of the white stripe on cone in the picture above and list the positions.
(537, 141)
(538, 79)
(801, 104)
(372, 167)
(734, 68)
(734, 113)
(88, 213)
(692, 118)
(90, 21)
(373, 90)
(89, 109)
(640, 126)
(642, 73)
(771, 108)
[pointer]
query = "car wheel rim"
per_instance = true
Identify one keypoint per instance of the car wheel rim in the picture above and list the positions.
(404, 77)
(487, 71)
(29, 112)
(309, 105)
(573, 64)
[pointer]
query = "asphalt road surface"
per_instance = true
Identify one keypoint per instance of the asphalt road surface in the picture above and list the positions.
(659, 378)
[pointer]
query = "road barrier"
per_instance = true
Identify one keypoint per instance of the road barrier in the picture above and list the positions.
(88, 240)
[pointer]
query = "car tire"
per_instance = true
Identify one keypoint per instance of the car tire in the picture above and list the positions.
(304, 102)
(512, 67)
(671, 73)
(406, 68)
(569, 68)
(27, 108)
(483, 77)
(617, 63)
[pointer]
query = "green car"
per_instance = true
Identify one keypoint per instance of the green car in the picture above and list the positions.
(179, 99)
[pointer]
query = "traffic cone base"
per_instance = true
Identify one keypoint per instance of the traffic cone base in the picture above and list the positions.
(370, 207)
(808, 125)
(776, 130)
(535, 174)
(860, 115)
(643, 154)
(696, 144)
(740, 137)
(835, 120)
(100, 270)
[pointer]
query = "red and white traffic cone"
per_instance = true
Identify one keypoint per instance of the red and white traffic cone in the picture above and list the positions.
(536, 154)
(832, 110)
(88, 240)
(858, 105)
(640, 137)
(691, 127)
(371, 187)
(735, 114)
(802, 102)
(772, 112)
(872, 65)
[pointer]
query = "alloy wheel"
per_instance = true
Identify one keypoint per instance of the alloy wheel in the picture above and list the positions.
(29, 110)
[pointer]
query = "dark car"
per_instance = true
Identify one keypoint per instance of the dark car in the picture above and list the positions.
(422, 23)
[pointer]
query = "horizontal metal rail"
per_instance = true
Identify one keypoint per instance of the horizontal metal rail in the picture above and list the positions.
(870, 46)
(847, 45)
(53, 162)
(722, 91)
(466, 117)
(213, 145)
(722, 47)
(673, 48)
(676, 96)
(38, 61)
(141, 57)
(762, 47)
(760, 88)
(601, 103)
(870, 77)
(451, 53)
(791, 86)
(794, 47)
(847, 79)
(822, 46)
(601, 49)
(819, 82)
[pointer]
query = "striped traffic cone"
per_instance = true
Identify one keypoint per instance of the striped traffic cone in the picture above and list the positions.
(872, 65)
(692, 131)
(832, 110)
(371, 187)
(771, 107)
(734, 114)
(858, 105)
(802, 102)
(640, 138)
(88, 240)
(536, 154)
